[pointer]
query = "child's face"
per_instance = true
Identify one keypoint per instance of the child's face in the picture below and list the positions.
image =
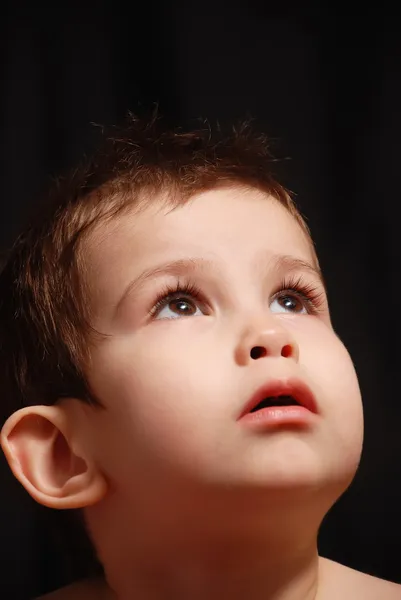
(174, 382)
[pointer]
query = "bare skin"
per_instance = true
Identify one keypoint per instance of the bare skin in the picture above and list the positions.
(182, 499)
(335, 581)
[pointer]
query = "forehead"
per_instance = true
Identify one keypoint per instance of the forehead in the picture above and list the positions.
(230, 225)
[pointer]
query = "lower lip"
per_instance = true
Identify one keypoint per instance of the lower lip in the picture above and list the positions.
(278, 416)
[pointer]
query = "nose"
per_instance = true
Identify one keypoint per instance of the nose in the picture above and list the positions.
(266, 339)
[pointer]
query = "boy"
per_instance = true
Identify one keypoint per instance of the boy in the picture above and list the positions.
(167, 337)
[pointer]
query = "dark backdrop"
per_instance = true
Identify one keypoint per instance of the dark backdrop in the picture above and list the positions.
(326, 85)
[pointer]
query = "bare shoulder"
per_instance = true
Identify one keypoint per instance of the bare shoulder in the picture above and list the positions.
(352, 584)
(94, 589)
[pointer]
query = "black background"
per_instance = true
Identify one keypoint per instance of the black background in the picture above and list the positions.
(325, 84)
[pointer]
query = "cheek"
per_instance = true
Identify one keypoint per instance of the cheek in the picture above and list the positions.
(161, 398)
(330, 367)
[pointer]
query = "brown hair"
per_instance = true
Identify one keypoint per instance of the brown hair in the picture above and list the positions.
(44, 320)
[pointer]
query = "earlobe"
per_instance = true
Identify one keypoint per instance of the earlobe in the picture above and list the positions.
(39, 446)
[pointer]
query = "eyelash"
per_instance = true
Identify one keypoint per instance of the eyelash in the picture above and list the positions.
(170, 292)
(313, 295)
(310, 294)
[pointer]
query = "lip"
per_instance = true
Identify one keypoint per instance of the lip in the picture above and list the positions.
(288, 387)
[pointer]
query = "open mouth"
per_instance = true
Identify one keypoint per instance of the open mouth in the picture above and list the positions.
(275, 401)
(291, 393)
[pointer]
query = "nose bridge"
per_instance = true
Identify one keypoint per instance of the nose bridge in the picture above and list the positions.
(266, 337)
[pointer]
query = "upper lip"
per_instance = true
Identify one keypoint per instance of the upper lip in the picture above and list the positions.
(283, 387)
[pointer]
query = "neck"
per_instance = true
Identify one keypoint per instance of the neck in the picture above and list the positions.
(233, 556)
(225, 571)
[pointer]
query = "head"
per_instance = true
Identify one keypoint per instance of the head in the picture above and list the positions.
(170, 280)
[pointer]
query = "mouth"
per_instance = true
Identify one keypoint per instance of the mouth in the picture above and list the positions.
(272, 401)
(280, 394)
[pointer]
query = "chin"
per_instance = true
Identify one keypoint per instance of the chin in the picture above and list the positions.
(294, 476)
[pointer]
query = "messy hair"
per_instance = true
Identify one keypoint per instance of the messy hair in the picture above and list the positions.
(45, 322)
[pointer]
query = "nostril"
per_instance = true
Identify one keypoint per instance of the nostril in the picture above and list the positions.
(287, 351)
(258, 352)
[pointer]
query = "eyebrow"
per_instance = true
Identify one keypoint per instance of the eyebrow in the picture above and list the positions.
(290, 263)
(279, 262)
(175, 267)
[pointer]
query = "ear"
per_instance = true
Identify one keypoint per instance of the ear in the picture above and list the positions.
(42, 450)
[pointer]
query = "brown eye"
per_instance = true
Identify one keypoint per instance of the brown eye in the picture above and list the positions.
(289, 303)
(182, 306)
(176, 305)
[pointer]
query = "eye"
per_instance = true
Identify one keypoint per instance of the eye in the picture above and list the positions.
(299, 297)
(178, 306)
(180, 300)
(290, 302)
